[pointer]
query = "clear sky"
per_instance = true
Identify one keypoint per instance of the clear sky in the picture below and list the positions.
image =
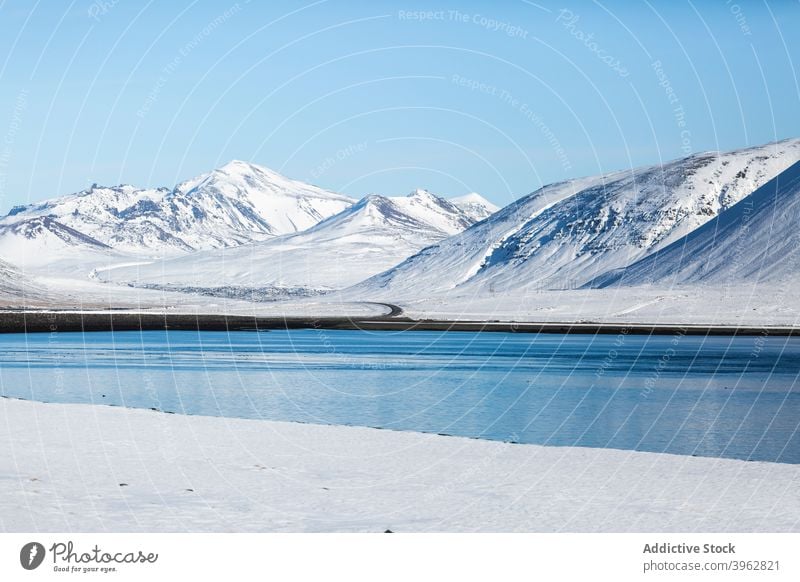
(361, 97)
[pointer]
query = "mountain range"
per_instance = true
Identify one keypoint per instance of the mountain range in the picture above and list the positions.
(239, 225)
(235, 204)
(565, 235)
(707, 219)
(370, 236)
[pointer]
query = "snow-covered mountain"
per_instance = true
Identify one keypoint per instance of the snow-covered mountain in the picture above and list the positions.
(475, 206)
(374, 234)
(565, 234)
(111, 215)
(16, 289)
(50, 235)
(43, 247)
(235, 204)
(9, 278)
(754, 241)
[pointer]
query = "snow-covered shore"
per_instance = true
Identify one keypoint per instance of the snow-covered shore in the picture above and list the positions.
(68, 467)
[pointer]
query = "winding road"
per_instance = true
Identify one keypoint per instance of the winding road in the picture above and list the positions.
(394, 310)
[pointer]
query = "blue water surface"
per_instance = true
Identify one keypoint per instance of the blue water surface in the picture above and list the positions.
(734, 397)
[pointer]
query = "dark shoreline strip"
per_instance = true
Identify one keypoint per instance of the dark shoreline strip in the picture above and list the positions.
(64, 321)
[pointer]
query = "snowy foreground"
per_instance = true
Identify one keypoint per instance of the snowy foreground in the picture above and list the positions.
(68, 467)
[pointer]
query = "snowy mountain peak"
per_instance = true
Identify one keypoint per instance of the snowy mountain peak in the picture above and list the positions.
(238, 178)
(422, 196)
(368, 237)
(472, 198)
(232, 205)
(421, 212)
(241, 170)
(238, 165)
(475, 205)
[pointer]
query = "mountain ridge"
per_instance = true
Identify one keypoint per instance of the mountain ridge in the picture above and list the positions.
(373, 234)
(231, 205)
(754, 241)
(565, 234)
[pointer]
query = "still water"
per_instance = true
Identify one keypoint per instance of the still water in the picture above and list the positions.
(719, 396)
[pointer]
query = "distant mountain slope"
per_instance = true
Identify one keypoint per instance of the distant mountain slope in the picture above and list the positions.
(564, 235)
(235, 204)
(475, 206)
(372, 235)
(9, 278)
(754, 241)
(44, 247)
(16, 289)
(48, 232)
(39, 242)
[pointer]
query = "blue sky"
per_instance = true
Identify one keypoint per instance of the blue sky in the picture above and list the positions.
(361, 97)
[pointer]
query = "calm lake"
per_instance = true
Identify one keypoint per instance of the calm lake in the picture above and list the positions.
(719, 396)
